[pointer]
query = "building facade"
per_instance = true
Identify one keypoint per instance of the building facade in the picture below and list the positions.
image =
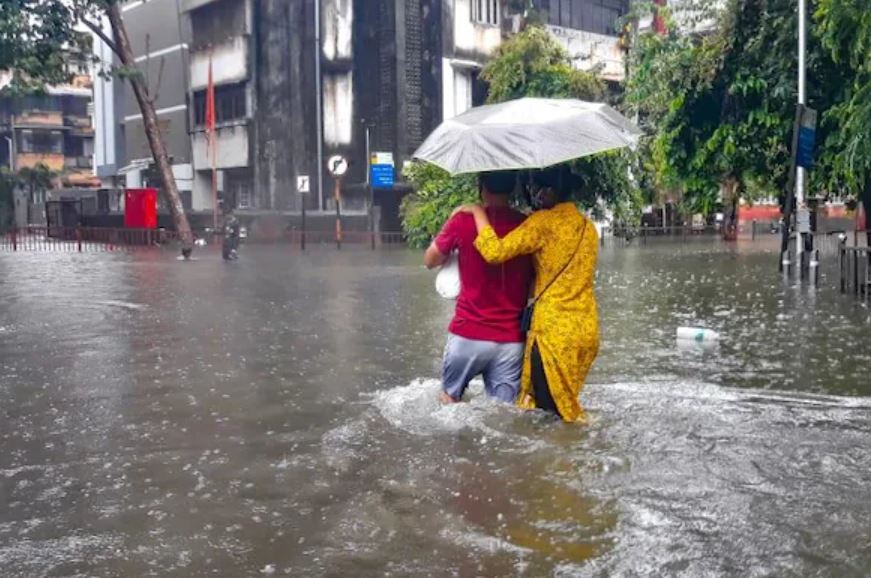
(160, 40)
(296, 83)
(54, 131)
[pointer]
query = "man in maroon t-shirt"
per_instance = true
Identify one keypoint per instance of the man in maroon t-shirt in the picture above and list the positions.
(484, 337)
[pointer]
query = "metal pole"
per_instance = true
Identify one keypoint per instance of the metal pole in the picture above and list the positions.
(802, 99)
(369, 190)
(842, 260)
(11, 153)
(302, 235)
(319, 105)
(338, 192)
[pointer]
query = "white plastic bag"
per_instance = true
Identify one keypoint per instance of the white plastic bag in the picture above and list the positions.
(447, 281)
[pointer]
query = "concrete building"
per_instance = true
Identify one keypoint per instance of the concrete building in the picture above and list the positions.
(160, 41)
(392, 69)
(52, 130)
(589, 31)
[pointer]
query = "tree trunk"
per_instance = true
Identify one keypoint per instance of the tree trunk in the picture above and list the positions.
(152, 130)
(731, 195)
(865, 197)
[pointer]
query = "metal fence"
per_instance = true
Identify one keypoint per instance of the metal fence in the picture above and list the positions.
(99, 239)
(82, 239)
(623, 236)
(855, 270)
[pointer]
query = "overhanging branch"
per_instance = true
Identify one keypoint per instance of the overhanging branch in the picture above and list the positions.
(102, 35)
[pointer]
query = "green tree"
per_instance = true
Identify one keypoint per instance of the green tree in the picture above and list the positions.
(719, 107)
(37, 37)
(844, 27)
(436, 195)
(531, 63)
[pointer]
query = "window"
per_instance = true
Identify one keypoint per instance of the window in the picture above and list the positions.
(217, 22)
(598, 16)
(462, 91)
(36, 103)
(243, 196)
(485, 12)
(239, 189)
(230, 104)
(41, 141)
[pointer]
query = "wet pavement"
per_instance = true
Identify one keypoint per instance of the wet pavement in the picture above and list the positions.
(278, 416)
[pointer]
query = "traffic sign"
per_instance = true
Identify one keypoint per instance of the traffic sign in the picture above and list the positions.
(337, 165)
(381, 170)
(303, 184)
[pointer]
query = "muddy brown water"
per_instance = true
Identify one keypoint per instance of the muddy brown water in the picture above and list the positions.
(278, 416)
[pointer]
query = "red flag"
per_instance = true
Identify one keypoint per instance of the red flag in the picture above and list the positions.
(210, 117)
(659, 24)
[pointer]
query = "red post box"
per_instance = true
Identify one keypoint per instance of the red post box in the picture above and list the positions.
(140, 208)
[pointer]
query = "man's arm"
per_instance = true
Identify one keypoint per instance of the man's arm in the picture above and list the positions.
(441, 247)
(433, 257)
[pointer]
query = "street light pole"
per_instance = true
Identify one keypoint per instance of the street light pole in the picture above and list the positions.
(319, 106)
(802, 100)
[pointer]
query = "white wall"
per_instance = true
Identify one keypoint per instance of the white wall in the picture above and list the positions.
(456, 89)
(338, 108)
(184, 176)
(590, 50)
(229, 64)
(201, 195)
(471, 36)
(104, 109)
(336, 29)
(232, 148)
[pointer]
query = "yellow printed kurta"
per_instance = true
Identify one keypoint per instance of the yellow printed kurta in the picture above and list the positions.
(566, 322)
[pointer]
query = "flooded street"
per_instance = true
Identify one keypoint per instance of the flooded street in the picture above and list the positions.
(278, 416)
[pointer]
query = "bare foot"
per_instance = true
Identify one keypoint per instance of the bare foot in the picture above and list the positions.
(446, 399)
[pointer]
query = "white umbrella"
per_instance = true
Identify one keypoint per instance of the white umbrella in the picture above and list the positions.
(529, 133)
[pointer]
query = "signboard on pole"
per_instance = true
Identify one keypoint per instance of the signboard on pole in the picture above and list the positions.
(381, 170)
(303, 184)
(806, 138)
(337, 165)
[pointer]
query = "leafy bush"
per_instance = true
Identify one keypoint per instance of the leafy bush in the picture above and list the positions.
(531, 63)
(436, 195)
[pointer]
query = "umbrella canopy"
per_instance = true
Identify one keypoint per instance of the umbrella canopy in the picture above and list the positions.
(529, 133)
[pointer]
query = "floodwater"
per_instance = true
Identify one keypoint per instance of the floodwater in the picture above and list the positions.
(278, 416)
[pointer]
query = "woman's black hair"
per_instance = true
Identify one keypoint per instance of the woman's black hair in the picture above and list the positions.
(498, 182)
(559, 178)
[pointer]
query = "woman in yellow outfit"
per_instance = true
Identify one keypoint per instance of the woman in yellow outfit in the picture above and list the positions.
(563, 340)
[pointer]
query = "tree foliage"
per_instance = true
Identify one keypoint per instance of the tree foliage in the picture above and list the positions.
(844, 27)
(719, 107)
(37, 37)
(436, 195)
(531, 63)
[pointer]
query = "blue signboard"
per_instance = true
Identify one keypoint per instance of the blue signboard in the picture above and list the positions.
(804, 154)
(382, 176)
(806, 139)
(381, 172)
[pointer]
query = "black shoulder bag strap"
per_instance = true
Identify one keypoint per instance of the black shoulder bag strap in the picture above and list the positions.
(529, 310)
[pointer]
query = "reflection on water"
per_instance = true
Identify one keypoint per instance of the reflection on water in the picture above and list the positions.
(277, 415)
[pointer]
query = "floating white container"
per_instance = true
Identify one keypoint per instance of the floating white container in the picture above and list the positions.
(697, 334)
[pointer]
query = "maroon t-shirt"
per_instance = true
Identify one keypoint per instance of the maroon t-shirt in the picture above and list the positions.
(492, 297)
